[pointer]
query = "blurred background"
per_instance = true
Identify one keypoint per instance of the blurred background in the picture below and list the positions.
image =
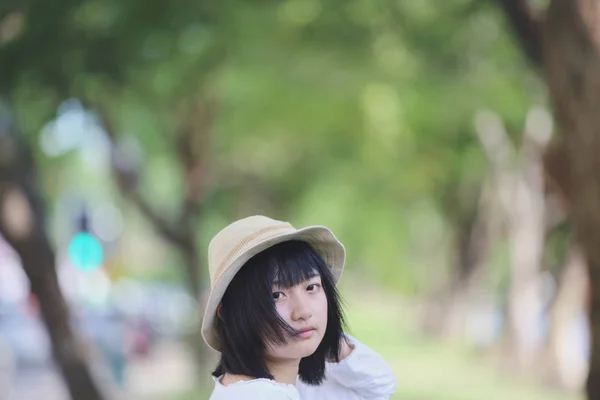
(423, 133)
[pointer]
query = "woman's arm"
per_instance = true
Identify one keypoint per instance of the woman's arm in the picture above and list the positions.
(362, 370)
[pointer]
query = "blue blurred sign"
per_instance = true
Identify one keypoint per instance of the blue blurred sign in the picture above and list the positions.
(85, 251)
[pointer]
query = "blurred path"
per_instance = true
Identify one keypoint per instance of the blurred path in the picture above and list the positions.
(169, 369)
(39, 383)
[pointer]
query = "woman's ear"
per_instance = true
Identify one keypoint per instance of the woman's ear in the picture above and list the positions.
(219, 311)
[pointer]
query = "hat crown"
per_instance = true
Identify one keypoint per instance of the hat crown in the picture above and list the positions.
(235, 238)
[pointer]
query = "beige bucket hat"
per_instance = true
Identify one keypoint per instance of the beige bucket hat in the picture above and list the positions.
(229, 250)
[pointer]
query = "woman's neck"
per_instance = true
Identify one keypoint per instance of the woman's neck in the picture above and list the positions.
(284, 371)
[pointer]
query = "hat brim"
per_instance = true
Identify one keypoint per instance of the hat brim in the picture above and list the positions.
(320, 238)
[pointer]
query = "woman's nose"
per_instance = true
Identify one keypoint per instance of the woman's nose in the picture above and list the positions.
(301, 309)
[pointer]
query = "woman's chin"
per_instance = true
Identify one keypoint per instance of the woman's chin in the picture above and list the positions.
(296, 349)
(305, 348)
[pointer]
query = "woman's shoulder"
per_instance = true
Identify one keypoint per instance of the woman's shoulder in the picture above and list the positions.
(254, 389)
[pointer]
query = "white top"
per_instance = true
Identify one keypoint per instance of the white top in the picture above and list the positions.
(362, 375)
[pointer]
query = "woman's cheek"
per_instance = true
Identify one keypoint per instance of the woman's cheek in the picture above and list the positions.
(283, 311)
(323, 302)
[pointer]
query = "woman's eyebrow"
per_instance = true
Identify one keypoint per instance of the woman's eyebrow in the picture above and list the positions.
(309, 277)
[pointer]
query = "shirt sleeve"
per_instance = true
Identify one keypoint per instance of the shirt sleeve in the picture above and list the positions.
(364, 371)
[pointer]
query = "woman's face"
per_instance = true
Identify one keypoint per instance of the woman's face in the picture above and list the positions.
(304, 308)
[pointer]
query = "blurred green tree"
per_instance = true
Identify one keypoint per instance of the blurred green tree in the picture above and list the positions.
(354, 114)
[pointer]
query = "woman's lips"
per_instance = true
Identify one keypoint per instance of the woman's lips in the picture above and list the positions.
(306, 333)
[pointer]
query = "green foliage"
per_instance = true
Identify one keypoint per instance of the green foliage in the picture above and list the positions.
(355, 114)
(559, 242)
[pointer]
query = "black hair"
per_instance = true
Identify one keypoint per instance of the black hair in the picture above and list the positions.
(248, 319)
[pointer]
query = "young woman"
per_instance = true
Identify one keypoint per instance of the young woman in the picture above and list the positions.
(275, 317)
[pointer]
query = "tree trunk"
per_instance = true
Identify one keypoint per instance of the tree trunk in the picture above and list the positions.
(191, 142)
(566, 364)
(526, 239)
(571, 60)
(518, 182)
(38, 258)
(466, 290)
(22, 224)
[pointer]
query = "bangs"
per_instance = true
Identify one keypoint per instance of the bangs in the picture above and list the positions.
(294, 263)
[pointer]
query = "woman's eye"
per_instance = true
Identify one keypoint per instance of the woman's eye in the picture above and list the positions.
(312, 288)
(277, 295)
